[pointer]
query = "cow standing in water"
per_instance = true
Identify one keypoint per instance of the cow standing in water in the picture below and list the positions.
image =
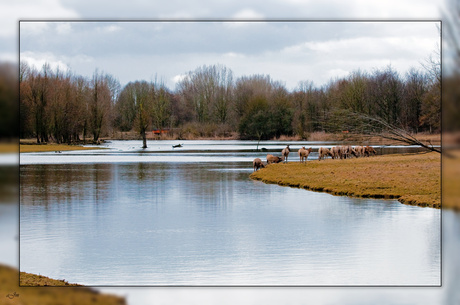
(285, 152)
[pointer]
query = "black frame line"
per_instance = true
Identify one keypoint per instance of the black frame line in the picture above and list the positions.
(229, 20)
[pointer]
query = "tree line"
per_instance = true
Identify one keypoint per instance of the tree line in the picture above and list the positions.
(66, 108)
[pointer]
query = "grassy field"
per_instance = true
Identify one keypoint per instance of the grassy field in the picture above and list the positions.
(412, 179)
(451, 181)
(12, 293)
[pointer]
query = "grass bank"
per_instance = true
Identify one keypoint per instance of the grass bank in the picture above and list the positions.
(412, 179)
(12, 293)
(30, 279)
(451, 181)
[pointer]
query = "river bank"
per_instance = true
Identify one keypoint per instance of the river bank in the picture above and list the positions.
(26, 148)
(12, 293)
(317, 136)
(413, 179)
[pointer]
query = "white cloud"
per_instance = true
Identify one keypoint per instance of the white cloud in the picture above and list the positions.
(13, 11)
(387, 9)
(7, 56)
(38, 60)
(110, 28)
(178, 15)
(178, 78)
(63, 28)
(64, 63)
(365, 47)
(248, 14)
(339, 73)
(33, 28)
(233, 54)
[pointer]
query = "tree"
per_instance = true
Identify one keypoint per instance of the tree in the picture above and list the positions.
(386, 91)
(137, 99)
(300, 100)
(431, 104)
(375, 126)
(36, 97)
(208, 90)
(99, 105)
(26, 128)
(451, 67)
(415, 89)
(281, 111)
(257, 121)
(355, 95)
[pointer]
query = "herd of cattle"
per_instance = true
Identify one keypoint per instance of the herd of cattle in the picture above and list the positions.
(337, 152)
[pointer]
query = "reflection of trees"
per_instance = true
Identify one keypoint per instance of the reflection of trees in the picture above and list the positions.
(64, 183)
(132, 183)
(212, 188)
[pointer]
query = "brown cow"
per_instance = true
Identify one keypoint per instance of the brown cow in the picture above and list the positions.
(323, 153)
(360, 151)
(303, 153)
(285, 153)
(336, 152)
(347, 151)
(369, 150)
(273, 159)
(257, 163)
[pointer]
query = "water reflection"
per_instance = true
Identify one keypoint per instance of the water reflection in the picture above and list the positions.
(208, 224)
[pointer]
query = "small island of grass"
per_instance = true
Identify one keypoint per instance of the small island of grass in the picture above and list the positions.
(411, 179)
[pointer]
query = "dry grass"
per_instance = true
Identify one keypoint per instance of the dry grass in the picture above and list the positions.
(6, 148)
(412, 179)
(11, 293)
(29, 279)
(52, 147)
(451, 181)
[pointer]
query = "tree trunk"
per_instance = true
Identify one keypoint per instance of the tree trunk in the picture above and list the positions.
(144, 139)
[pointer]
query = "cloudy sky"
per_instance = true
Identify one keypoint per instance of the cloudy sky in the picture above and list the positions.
(288, 51)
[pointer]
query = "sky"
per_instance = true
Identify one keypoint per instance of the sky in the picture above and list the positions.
(289, 52)
(318, 49)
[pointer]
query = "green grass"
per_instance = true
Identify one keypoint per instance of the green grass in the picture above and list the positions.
(412, 179)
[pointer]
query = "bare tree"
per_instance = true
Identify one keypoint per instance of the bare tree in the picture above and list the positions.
(99, 105)
(208, 90)
(136, 101)
(161, 106)
(360, 123)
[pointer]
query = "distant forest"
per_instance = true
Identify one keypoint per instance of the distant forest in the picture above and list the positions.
(209, 101)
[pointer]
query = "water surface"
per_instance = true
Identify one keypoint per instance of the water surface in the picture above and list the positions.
(134, 217)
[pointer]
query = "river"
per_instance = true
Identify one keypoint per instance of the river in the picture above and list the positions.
(191, 216)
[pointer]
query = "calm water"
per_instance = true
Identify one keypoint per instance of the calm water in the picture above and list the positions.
(192, 216)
